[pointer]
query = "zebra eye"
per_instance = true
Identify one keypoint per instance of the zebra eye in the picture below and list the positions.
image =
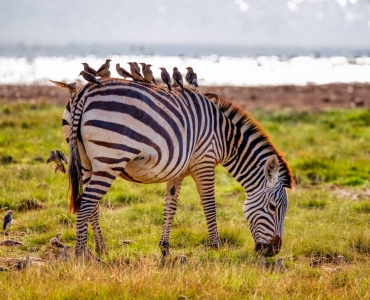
(272, 207)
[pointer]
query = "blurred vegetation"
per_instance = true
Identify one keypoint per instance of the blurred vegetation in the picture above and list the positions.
(328, 215)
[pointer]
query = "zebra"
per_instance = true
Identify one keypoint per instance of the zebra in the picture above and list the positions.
(147, 135)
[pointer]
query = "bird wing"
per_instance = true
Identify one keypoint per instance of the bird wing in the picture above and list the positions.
(91, 70)
(126, 72)
(62, 156)
(100, 69)
(62, 85)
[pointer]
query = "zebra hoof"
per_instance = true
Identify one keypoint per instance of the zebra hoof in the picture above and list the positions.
(216, 245)
(165, 252)
(180, 260)
(101, 250)
(165, 248)
(86, 255)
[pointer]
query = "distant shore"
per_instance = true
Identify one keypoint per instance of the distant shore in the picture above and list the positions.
(310, 97)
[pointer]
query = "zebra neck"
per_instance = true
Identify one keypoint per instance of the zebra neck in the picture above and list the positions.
(246, 158)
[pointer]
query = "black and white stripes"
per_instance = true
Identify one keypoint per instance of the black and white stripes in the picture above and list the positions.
(146, 134)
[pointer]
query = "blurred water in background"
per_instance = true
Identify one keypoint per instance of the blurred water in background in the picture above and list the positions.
(212, 70)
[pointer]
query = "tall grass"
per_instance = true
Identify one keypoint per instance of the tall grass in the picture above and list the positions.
(329, 156)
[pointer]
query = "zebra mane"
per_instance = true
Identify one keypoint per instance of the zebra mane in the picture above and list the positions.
(245, 122)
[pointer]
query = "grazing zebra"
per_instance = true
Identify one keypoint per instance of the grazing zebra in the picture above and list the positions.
(146, 134)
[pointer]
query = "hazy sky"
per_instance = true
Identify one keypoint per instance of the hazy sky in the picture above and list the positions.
(304, 23)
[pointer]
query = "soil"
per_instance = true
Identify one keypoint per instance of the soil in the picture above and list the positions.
(310, 97)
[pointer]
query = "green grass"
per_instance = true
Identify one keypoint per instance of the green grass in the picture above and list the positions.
(328, 215)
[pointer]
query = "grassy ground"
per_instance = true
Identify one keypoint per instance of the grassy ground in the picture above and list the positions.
(328, 215)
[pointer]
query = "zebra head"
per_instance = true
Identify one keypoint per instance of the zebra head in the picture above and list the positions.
(265, 209)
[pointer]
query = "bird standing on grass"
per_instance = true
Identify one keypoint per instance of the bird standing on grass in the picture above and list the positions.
(88, 69)
(192, 77)
(177, 77)
(59, 158)
(148, 74)
(122, 72)
(10, 243)
(135, 73)
(8, 218)
(71, 87)
(90, 78)
(55, 243)
(166, 78)
(104, 68)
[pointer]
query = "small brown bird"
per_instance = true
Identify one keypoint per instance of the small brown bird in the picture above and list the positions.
(8, 218)
(122, 72)
(10, 243)
(88, 69)
(137, 67)
(71, 87)
(279, 265)
(177, 77)
(166, 78)
(104, 68)
(90, 78)
(142, 67)
(23, 263)
(210, 95)
(55, 243)
(191, 77)
(148, 74)
(58, 157)
(135, 73)
(106, 74)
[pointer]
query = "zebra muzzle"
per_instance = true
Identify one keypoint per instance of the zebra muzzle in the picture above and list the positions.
(270, 249)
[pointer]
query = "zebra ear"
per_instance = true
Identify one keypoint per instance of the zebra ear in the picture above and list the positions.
(271, 170)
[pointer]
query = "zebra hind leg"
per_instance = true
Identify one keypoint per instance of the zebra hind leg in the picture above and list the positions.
(100, 247)
(170, 206)
(95, 189)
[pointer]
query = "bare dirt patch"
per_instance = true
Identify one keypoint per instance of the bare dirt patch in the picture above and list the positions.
(310, 97)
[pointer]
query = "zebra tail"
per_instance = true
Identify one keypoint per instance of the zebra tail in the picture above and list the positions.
(74, 166)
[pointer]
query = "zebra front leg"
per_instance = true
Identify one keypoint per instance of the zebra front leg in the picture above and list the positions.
(100, 247)
(97, 187)
(204, 179)
(170, 206)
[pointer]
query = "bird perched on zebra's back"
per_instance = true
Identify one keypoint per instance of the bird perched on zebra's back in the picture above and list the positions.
(137, 68)
(71, 87)
(148, 74)
(106, 74)
(135, 73)
(90, 78)
(104, 68)
(10, 243)
(191, 77)
(166, 78)
(88, 69)
(143, 65)
(8, 218)
(177, 77)
(59, 158)
(122, 72)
